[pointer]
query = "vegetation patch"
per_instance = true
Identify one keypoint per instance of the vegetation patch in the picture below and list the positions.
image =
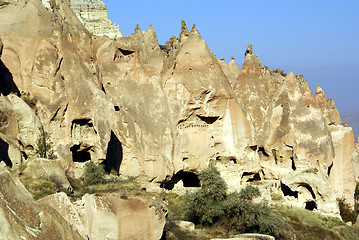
(223, 214)
(43, 144)
(39, 187)
(96, 181)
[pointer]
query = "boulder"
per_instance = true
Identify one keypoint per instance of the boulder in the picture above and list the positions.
(22, 217)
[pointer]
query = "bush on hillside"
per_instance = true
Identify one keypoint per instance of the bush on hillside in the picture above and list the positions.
(211, 205)
(346, 211)
(94, 173)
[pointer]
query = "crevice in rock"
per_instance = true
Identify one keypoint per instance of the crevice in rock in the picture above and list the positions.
(311, 205)
(274, 152)
(208, 120)
(189, 179)
(329, 169)
(80, 154)
(58, 67)
(7, 84)
(24, 155)
(103, 89)
(114, 154)
(287, 191)
(293, 164)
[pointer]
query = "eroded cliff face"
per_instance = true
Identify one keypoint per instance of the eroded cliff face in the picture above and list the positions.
(163, 113)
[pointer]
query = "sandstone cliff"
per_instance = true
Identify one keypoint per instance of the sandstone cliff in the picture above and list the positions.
(162, 113)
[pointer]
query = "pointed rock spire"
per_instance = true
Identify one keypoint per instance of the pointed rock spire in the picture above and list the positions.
(249, 50)
(194, 29)
(184, 30)
(233, 67)
(137, 29)
(251, 58)
(150, 29)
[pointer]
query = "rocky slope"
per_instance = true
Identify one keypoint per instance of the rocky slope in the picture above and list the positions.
(162, 113)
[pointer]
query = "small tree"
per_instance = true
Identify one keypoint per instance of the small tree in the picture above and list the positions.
(43, 143)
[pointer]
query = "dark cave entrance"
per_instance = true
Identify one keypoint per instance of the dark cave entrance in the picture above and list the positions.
(80, 155)
(208, 120)
(4, 153)
(189, 179)
(287, 191)
(262, 152)
(126, 52)
(7, 84)
(256, 177)
(114, 154)
(311, 205)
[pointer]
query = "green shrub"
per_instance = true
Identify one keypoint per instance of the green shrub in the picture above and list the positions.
(43, 144)
(206, 204)
(346, 211)
(94, 173)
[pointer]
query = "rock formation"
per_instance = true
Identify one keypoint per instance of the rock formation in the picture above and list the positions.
(160, 113)
(93, 14)
(24, 218)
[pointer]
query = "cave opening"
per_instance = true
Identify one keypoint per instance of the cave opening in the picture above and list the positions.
(189, 179)
(117, 108)
(287, 191)
(208, 120)
(82, 122)
(311, 205)
(261, 151)
(80, 155)
(256, 177)
(4, 153)
(7, 84)
(126, 52)
(114, 154)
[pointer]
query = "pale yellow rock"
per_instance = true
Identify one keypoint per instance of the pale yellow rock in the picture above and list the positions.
(132, 218)
(51, 169)
(21, 217)
(341, 172)
(93, 14)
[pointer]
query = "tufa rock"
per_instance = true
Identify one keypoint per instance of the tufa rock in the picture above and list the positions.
(93, 14)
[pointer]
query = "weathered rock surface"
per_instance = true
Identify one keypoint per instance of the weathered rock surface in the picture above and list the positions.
(93, 14)
(111, 217)
(161, 113)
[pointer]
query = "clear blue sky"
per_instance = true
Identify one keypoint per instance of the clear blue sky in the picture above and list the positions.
(319, 39)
